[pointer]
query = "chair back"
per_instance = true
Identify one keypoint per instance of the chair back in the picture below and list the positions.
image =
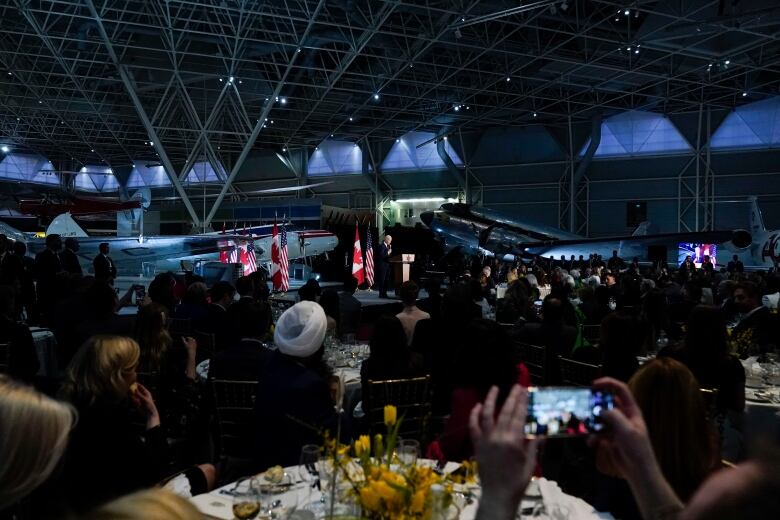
(206, 345)
(592, 333)
(412, 399)
(5, 354)
(576, 373)
(534, 359)
(180, 326)
(234, 403)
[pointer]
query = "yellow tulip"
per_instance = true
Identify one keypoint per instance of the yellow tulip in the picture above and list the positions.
(418, 502)
(369, 499)
(391, 415)
(362, 445)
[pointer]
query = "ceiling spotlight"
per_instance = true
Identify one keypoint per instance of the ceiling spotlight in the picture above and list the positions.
(456, 108)
(298, 50)
(617, 19)
(468, 107)
(284, 148)
(535, 114)
(376, 97)
(316, 148)
(272, 121)
(331, 135)
(5, 149)
(628, 49)
(10, 73)
(220, 80)
(636, 51)
(230, 79)
(744, 94)
(283, 101)
(350, 118)
(93, 150)
(240, 82)
(445, 137)
(727, 62)
(462, 18)
(508, 79)
(626, 12)
(40, 102)
(151, 143)
(564, 5)
(396, 140)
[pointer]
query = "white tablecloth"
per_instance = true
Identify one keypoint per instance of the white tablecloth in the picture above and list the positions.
(218, 504)
(46, 350)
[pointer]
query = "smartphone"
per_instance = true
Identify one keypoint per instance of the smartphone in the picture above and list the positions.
(140, 294)
(565, 411)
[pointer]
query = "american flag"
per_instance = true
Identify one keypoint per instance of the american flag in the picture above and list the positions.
(251, 259)
(234, 254)
(283, 264)
(369, 258)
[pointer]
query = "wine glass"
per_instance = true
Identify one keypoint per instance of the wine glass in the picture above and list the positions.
(307, 471)
(408, 451)
(246, 502)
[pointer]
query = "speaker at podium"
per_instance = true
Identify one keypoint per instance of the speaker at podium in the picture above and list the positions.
(401, 268)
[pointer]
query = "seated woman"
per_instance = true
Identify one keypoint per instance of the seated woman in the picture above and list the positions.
(34, 432)
(390, 356)
(683, 442)
(107, 457)
(293, 404)
(484, 360)
(171, 367)
(706, 353)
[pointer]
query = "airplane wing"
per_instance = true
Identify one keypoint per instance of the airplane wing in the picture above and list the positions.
(740, 238)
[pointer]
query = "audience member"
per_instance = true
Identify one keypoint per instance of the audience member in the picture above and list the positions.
(217, 321)
(150, 504)
(735, 265)
(432, 303)
(22, 361)
(34, 432)
(47, 267)
(329, 301)
(756, 320)
(552, 333)
(482, 362)
(349, 307)
(706, 353)
(194, 305)
(103, 264)
(410, 314)
(162, 290)
(244, 359)
(106, 458)
(293, 400)
(310, 291)
(69, 258)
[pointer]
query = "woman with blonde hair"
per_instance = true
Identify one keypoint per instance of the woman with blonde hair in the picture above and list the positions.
(107, 457)
(33, 435)
(152, 504)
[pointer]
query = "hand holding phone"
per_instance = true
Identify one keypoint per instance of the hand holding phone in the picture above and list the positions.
(565, 411)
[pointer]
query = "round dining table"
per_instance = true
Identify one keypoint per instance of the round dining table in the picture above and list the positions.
(300, 500)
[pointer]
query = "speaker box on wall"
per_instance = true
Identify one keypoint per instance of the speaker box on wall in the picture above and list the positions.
(636, 213)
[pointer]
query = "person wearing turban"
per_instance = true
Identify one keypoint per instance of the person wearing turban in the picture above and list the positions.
(293, 403)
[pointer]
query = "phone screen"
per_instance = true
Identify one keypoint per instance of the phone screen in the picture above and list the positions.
(565, 411)
(140, 294)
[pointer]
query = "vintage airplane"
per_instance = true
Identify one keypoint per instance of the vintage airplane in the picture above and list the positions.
(484, 231)
(49, 206)
(166, 253)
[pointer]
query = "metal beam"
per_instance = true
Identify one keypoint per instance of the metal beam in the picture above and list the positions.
(130, 88)
(261, 120)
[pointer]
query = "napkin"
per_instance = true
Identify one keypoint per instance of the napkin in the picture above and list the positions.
(559, 506)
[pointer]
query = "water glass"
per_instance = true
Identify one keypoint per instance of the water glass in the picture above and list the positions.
(246, 503)
(408, 451)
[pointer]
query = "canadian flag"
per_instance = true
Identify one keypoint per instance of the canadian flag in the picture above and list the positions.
(357, 259)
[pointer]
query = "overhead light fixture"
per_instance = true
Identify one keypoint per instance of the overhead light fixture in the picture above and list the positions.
(230, 79)
(10, 73)
(376, 96)
(220, 80)
(456, 108)
(508, 79)
(240, 82)
(151, 143)
(445, 137)
(284, 148)
(316, 148)
(397, 140)
(423, 199)
(744, 94)
(626, 12)
(111, 171)
(5, 149)
(283, 100)
(350, 118)
(535, 114)
(298, 50)
(93, 150)
(727, 62)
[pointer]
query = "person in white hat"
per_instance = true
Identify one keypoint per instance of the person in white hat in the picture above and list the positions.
(293, 403)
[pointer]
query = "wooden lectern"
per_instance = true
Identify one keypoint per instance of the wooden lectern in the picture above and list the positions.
(401, 268)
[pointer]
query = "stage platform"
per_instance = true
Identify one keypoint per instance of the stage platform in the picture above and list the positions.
(367, 298)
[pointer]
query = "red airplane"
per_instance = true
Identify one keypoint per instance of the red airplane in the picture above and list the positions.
(78, 206)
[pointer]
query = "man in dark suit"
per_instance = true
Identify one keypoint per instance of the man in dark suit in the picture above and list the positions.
(349, 307)
(735, 266)
(217, 320)
(756, 317)
(244, 360)
(383, 265)
(47, 267)
(105, 270)
(553, 334)
(68, 257)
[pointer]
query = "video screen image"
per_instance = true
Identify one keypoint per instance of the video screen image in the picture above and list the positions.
(697, 252)
(558, 411)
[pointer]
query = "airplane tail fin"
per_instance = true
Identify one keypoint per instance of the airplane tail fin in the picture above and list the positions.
(65, 226)
(756, 220)
(642, 229)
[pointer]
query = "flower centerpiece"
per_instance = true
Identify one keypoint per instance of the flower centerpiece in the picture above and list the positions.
(382, 486)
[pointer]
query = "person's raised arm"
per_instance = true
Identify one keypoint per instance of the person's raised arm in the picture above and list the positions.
(625, 442)
(505, 459)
